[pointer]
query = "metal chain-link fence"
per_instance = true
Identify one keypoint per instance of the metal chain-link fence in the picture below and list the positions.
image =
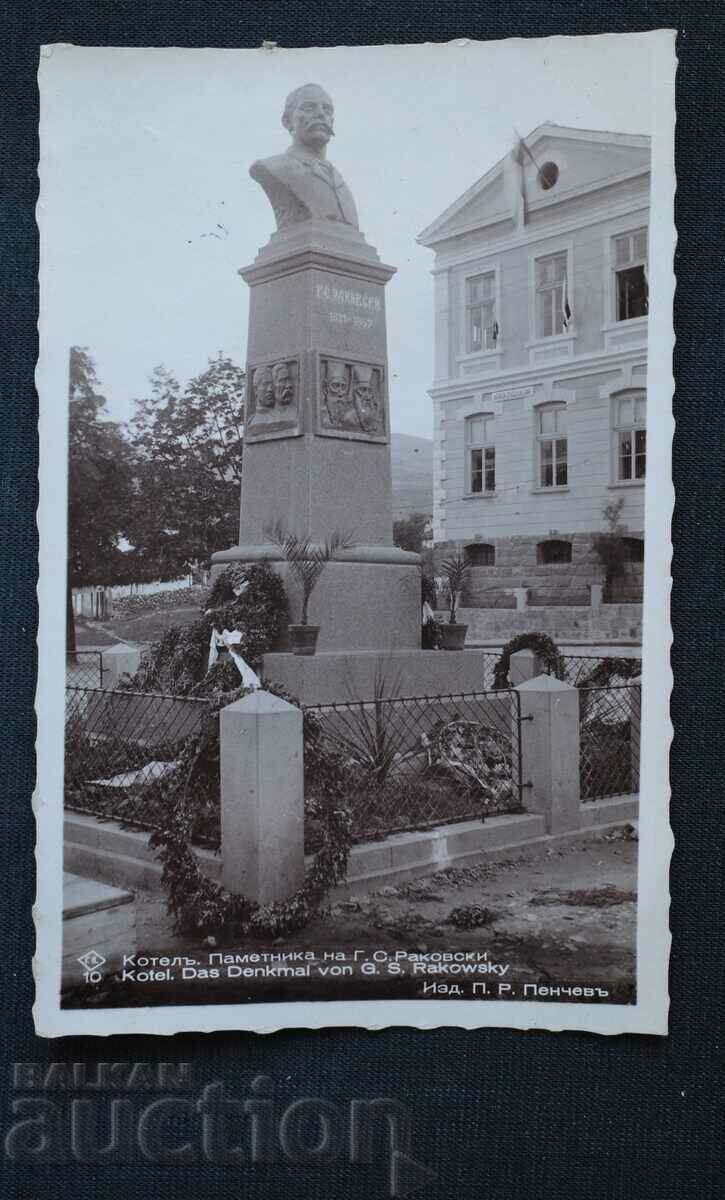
(609, 736)
(84, 668)
(594, 670)
(415, 762)
(123, 751)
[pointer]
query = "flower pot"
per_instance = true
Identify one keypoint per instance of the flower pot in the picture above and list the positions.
(453, 637)
(303, 638)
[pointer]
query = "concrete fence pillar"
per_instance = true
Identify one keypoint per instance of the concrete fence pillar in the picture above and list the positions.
(521, 596)
(524, 665)
(596, 592)
(262, 797)
(635, 729)
(550, 751)
(119, 662)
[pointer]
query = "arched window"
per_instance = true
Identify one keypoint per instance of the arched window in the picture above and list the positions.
(480, 554)
(551, 445)
(634, 549)
(553, 551)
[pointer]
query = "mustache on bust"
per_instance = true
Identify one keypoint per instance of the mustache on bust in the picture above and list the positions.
(320, 125)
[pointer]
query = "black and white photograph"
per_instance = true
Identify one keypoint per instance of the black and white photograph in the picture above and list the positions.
(355, 388)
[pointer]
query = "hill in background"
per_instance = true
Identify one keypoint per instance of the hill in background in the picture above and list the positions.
(412, 463)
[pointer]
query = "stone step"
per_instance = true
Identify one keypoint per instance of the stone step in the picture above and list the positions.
(107, 835)
(99, 924)
(111, 866)
(103, 850)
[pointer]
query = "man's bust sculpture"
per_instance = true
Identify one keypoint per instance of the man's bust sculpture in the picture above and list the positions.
(301, 184)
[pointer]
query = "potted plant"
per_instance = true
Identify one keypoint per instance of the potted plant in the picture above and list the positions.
(307, 562)
(455, 570)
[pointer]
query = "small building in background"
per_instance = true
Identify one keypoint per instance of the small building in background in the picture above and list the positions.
(540, 403)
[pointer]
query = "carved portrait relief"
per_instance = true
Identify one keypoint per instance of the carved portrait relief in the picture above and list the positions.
(273, 402)
(352, 399)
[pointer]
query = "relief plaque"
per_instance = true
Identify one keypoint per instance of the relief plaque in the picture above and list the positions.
(273, 402)
(352, 400)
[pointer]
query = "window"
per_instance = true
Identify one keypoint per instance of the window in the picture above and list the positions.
(481, 324)
(552, 445)
(479, 554)
(630, 436)
(554, 551)
(633, 549)
(548, 175)
(481, 454)
(630, 273)
(553, 303)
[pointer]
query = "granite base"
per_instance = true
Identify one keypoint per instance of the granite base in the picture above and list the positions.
(368, 599)
(328, 678)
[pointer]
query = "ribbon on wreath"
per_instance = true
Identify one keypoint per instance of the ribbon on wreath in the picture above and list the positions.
(228, 640)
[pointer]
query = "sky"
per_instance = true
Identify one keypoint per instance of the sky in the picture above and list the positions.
(147, 210)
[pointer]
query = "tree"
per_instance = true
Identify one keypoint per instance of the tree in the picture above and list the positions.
(188, 448)
(99, 480)
(99, 485)
(609, 546)
(408, 533)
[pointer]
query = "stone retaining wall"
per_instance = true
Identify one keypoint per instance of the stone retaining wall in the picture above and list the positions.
(516, 566)
(564, 623)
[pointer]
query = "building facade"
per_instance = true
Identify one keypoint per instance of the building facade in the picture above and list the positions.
(540, 413)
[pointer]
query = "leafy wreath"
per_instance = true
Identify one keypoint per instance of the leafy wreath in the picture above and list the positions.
(252, 599)
(609, 668)
(202, 907)
(543, 647)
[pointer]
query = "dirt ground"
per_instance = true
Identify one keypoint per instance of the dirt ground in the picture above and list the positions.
(141, 627)
(566, 917)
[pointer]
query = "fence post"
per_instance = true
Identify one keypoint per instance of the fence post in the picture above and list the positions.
(550, 751)
(117, 662)
(596, 591)
(635, 728)
(524, 664)
(521, 596)
(262, 797)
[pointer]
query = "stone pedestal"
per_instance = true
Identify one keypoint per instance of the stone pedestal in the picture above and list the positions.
(317, 432)
(363, 675)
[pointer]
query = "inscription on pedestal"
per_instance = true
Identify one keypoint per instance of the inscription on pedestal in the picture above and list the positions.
(351, 399)
(273, 402)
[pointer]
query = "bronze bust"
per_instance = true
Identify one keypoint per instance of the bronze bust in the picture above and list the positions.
(301, 184)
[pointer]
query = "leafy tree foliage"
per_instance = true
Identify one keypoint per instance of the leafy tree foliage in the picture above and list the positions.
(99, 481)
(408, 532)
(188, 447)
(609, 545)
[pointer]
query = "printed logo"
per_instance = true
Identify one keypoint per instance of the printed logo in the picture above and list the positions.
(91, 960)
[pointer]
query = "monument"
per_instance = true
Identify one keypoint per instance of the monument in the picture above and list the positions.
(317, 426)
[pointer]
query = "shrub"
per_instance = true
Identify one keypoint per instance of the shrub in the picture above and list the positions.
(609, 545)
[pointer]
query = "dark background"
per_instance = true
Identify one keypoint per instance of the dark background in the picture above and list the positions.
(497, 1114)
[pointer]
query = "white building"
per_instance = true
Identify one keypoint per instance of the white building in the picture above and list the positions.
(541, 299)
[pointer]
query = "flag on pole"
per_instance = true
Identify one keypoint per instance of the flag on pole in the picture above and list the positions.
(514, 184)
(565, 306)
